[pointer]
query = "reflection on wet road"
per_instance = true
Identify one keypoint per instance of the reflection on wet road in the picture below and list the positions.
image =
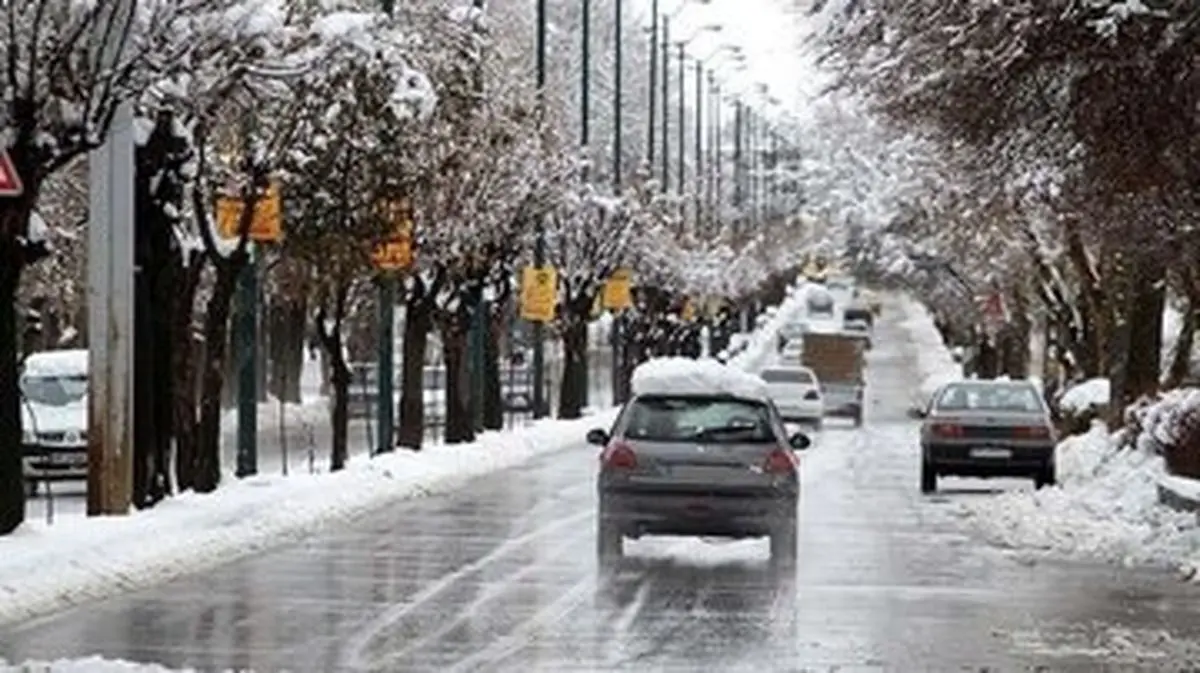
(502, 577)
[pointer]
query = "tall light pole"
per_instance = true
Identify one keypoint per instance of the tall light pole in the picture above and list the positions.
(699, 140)
(539, 246)
(653, 82)
(666, 96)
(682, 128)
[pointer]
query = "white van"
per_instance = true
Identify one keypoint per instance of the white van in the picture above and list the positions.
(54, 416)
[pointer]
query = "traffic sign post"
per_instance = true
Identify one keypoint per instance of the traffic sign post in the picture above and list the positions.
(392, 255)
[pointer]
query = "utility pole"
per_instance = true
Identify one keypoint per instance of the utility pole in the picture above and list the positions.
(539, 246)
(617, 333)
(110, 291)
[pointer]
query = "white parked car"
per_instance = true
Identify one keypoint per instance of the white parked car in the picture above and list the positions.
(54, 416)
(796, 393)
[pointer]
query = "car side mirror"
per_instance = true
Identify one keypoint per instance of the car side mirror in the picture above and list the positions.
(799, 441)
(597, 437)
(916, 413)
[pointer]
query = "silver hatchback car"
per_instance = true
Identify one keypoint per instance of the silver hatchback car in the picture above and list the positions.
(697, 465)
(987, 429)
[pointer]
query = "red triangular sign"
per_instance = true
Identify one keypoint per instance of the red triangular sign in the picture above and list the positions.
(10, 182)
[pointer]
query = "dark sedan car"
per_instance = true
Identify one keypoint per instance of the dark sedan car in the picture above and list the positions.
(987, 429)
(697, 465)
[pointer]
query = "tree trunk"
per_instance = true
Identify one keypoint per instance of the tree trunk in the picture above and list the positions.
(340, 418)
(1143, 366)
(185, 354)
(573, 392)
(1181, 359)
(454, 348)
(418, 321)
(493, 390)
(216, 336)
(12, 480)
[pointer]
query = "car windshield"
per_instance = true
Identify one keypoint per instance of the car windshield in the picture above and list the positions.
(54, 391)
(786, 376)
(990, 397)
(710, 419)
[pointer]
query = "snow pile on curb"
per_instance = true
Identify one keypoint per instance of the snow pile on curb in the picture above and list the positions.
(934, 362)
(1089, 395)
(1105, 506)
(87, 665)
(46, 568)
(762, 346)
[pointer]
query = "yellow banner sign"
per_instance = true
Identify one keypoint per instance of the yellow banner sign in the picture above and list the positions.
(266, 224)
(539, 293)
(618, 290)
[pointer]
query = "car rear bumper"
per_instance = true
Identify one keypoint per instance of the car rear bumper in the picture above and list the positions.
(801, 412)
(57, 464)
(964, 460)
(730, 514)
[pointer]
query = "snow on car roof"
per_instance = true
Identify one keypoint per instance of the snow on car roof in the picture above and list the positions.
(57, 363)
(685, 376)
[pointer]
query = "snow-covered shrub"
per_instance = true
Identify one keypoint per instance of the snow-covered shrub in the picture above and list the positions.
(1170, 425)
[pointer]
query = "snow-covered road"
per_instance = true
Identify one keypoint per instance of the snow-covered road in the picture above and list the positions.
(501, 577)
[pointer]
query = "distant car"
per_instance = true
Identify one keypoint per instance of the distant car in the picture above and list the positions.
(796, 393)
(697, 465)
(792, 351)
(987, 429)
(55, 417)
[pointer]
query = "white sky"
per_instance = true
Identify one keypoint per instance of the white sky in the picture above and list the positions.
(770, 34)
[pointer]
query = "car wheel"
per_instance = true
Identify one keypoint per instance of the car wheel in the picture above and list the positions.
(1045, 477)
(858, 418)
(928, 478)
(610, 544)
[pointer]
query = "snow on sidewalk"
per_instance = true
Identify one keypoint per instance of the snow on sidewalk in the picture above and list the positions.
(934, 363)
(44, 568)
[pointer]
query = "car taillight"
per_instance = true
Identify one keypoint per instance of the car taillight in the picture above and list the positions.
(780, 461)
(947, 430)
(1032, 432)
(812, 395)
(619, 456)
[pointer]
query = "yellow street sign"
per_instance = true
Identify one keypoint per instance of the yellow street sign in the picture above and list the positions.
(266, 225)
(618, 290)
(396, 252)
(539, 293)
(688, 312)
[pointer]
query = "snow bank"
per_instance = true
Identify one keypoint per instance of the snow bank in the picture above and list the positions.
(761, 346)
(684, 376)
(1105, 507)
(44, 568)
(934, 363)
(1090, 394)
(88, 665)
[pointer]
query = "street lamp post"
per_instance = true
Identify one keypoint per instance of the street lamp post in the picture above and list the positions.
(539, 246)
(682, 128)
(666, 96)
(653, 82)
(699, 137)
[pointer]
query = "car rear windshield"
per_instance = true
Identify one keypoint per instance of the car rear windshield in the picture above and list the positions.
(694, 418)
(786, 376)
(990, 397)
(54, 391)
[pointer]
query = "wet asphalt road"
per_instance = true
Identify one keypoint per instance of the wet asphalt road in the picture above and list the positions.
(501, 577)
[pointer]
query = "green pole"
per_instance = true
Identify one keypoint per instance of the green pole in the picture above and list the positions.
(387, 368)
(247, 356)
